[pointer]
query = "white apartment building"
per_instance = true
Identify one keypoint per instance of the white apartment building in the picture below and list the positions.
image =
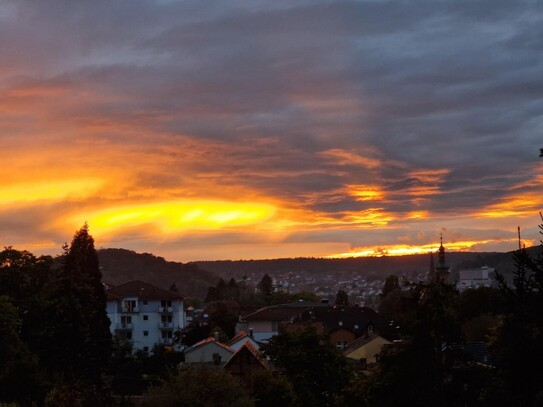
(144, 314)
(475, 278)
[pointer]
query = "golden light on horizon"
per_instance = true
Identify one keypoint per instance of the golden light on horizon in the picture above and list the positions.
(55, 190)
(174, 216)
(405, 250)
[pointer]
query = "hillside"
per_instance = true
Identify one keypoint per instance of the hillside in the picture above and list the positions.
(372, 267)
(120, 266)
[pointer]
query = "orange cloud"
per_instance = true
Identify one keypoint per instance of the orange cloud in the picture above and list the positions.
(366, 192)
(170, 217)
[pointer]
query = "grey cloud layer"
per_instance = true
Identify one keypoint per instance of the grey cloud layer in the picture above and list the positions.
(427, 84)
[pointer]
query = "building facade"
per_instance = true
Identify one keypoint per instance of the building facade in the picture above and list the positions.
(145, 315)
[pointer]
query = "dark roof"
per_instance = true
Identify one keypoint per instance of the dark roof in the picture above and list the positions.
(283, 312)
(141, 290)
(474, 351)
(354, 319)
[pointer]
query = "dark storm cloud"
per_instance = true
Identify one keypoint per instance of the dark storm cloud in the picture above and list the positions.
(295, 100)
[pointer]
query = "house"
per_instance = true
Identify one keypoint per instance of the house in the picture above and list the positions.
(345, 324)
(265, 322)
(240, 338)
(366, 348)
(208, 351)
(245, 362)
(145, 315)
(475, 278)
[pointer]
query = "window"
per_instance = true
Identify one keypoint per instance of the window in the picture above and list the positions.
(145, 317)
(166, 319)
(129, 336)
(166, 303)
(144, 302)
(167, 334)
(370, 328)
(126, 320)
(145, 333)
(341, 345)
(129, 305)
(146, 348)
(340, 323)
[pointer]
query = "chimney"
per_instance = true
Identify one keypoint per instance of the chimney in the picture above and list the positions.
(251, 333)
(216, 336)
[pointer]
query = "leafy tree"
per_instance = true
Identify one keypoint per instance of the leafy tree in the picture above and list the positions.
(342, 298)
(311, 363)
(416, 373)
(271, 390)
(25, 280)
(21, 380)
(198, 387)
(79, 337)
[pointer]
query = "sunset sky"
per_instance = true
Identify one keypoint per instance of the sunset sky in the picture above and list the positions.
(199, 130)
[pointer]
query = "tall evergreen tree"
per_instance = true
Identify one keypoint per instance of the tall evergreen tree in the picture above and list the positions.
(265, 285)
(81, 342)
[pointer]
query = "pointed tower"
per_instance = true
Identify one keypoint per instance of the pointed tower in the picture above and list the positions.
(441, 270)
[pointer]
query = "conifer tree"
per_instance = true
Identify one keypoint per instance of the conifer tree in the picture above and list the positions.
(81, 342)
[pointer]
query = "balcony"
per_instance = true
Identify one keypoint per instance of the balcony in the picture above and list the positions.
(133, 310)
(165, 325)
(124, 327)
(165, 310)
(166, 341)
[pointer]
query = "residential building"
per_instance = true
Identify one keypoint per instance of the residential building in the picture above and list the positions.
(145, 315)
(475, 278)
(366, 348)
(208, 351)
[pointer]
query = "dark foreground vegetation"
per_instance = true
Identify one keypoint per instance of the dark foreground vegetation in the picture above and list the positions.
(56, 348)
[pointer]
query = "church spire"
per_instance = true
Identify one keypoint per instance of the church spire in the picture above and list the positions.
(442, 270)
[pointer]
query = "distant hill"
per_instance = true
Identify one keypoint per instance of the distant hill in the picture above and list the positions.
(193, 279)
(372, 267)
(120, 266)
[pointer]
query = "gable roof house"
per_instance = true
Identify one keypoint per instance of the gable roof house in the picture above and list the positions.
(245, 362)
(345, 324)
(145, 315)
(265, 322)
(208, 351)
(240, 338)
(366, 348)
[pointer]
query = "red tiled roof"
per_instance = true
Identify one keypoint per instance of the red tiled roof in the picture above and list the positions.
(249, 347)
(210, 340)
(141, 290)
(237, 337)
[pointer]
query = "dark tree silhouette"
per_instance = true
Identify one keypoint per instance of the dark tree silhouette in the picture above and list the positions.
(342, 298)
(316, 369)
(265, 285)
(79, 336)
